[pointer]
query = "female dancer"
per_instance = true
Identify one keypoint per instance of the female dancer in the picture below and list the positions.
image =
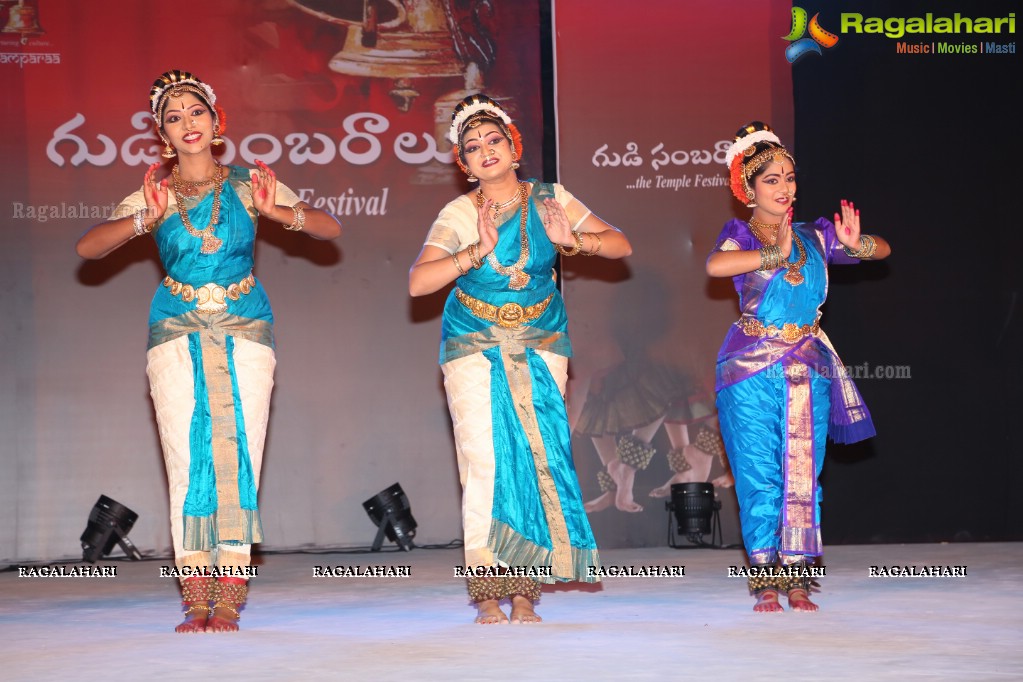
(504, 354)
(782, 390)
(210, 358)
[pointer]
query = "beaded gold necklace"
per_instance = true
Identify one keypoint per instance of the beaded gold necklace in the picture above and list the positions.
(759, 230)
(210, 242)
(517, 278)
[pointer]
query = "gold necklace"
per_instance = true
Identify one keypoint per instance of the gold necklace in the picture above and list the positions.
(210, 242)
(793, 276)
(517, 278)
(497, 208)
(194, 185)
(760, 231)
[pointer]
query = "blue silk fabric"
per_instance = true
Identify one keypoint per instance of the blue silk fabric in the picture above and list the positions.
(774, 395)
(521, 527)
(211, 339)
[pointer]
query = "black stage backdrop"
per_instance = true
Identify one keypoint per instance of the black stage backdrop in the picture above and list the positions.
(928, 146)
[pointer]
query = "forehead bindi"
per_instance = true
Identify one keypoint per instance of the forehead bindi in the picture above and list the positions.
(776, 169)
(184, 103)
(482, 132)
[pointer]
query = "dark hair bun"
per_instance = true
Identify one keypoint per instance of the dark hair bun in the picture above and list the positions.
(750, 128)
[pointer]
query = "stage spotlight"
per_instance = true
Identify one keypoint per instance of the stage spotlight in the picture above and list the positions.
(696, 512)
(389, 509)
(109, 523)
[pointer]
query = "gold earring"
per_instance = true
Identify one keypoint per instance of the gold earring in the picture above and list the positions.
(217, 139)
(515, 165)
(168, 150)
(472, 178)
(750, 203)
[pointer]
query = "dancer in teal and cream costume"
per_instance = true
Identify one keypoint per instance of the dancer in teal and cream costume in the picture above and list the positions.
(211, 347)
(504, 354)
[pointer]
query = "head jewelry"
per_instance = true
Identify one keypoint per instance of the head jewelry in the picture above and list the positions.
(175, 83)
(743, 159)
(472, 112)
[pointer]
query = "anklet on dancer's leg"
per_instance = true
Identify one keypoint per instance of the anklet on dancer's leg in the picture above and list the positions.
(797, 586)
(196, 594)
(634, 454)
(523, 592)
(764, 586)
(230, 594)
(486, 593)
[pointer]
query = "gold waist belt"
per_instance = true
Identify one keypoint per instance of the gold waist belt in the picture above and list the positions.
(209, 298)
(509, 315)
(789, 331)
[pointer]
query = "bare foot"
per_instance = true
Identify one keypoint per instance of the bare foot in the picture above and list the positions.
(768, 602)
(600, 503)
(489, 613)
(195, 621)
(725, 480)
(522, 611)
(665, 490)
(799, 600)
(624, 476)
(223, 620)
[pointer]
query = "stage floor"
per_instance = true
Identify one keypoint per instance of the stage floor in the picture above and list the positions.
(300, 627)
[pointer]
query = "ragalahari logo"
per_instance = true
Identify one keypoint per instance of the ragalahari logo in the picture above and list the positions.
(818, 36)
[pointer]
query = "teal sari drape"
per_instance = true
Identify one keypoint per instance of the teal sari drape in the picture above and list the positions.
(220, 506)
(537, 516)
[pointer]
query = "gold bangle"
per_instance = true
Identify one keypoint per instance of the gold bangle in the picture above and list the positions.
(868, 246)
(474, 255)
(574, 250)
(770, 258)
(597, 248)
(138, 223)
(458, 265)
(298, 221)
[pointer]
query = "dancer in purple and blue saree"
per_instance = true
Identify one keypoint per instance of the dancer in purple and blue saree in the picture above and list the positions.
(782, 389)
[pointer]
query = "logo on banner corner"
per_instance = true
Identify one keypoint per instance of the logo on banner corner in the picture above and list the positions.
(21, 36)
(800, 46)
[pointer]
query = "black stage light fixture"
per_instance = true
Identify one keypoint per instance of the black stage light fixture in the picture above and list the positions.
(390, 511)
(696, 512)
(109, 524)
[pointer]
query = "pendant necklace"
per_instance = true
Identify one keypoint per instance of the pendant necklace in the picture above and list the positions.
(210, 242)
(517, 277)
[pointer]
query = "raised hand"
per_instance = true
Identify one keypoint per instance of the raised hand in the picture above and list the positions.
(555, 222)
(784, 240)
(264, 189)
(486, 227)
(155, 194)
(847, 226)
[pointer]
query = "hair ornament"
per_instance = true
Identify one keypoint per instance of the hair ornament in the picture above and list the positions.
(468, 107)
(744, 159)
(174, 81)
(741, 145)
(736, 182)
(221, 118)
(468, 113)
